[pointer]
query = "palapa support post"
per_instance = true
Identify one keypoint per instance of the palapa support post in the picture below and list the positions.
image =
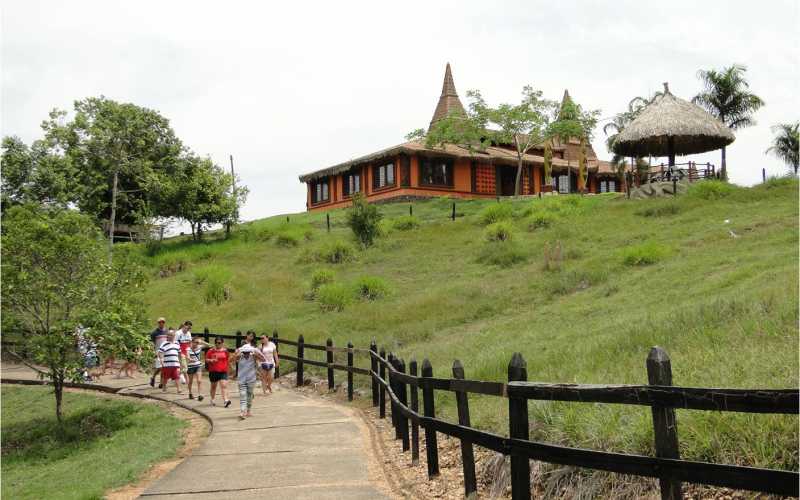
(382, 390)
(518, 429)
(350, 371)
(665, 426)
(674, 186)
(373, 364)
(275, 341)
(431, 448)
(412, 369)
(328, 220)
(329, 359)
(301, 347)
(467, 453)
(403, 397)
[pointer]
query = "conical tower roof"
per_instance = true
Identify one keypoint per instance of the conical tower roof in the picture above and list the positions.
(448, 101)
(564, 100)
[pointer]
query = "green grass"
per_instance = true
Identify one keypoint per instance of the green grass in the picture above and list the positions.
(106, 443)
(724, 308)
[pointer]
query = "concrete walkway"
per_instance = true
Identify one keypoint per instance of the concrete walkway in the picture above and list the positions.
(293, 446)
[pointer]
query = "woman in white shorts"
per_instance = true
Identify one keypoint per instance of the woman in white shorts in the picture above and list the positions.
(267, 366)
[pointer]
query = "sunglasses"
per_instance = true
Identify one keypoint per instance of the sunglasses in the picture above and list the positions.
(218, 342)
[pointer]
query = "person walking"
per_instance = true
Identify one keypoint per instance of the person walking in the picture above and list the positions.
(158, 337)
(193, 366)
(185, 337)
(267, 366)
(246, 358)
(217, 364)
(170, 353)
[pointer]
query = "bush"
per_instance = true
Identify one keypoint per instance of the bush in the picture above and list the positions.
(152, 247)
(574, 281)
(371, 288)
(287, 239)
(330, 252)
(215, 279)
(541, 220)
(711, 190)
(660, 210)
(170, 263)
(405, 223)
(364, 219)
(334, 297)
(644, 254)
(496, 212)
(321, 277)
(502, 254)
(779, 182)
(499, 231)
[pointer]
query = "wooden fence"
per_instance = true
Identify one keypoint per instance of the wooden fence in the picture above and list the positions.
(690, 171)
(389, 377)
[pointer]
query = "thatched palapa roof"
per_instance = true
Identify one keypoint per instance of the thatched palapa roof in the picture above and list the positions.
(671, 125)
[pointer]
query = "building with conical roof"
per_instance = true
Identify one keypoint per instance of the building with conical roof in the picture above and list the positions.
(411, 170)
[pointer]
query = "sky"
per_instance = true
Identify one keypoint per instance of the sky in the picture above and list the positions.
(292, 87)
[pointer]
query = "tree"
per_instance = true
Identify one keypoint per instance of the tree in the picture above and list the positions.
(364, 219)
(548, 163)
(122, 157)
(58, 288)
(785, 144)
(726, 96)
(34, 174)
(572, 121)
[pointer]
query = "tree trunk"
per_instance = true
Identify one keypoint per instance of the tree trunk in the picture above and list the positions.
(192, 225)
(723, 171)
(58, 389)
(199, 231)
(517, 182)
(111, 219)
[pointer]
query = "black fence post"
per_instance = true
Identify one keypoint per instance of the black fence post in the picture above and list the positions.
(328, 219)
(412, 369)
(373, 364)
(674, 186)
(287, 218)
(453, 216)
(275, 341)
(206, 334)
(382, 390)
(350, 371)
(329, 359)
(431, 449)
(763, 174)
(518, 429)
(411, 210)
(403, 396)
(393, 405)
(300, 351)
(665, 426)
(467, 453)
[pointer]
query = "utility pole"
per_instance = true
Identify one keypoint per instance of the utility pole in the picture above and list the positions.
(235, 207)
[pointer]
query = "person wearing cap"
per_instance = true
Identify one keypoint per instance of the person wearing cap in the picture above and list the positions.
(246, 358)
(158, 337)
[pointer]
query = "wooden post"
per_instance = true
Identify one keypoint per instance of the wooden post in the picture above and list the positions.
(431, 449)
(373, 364)
(467, 453)
(206, 334)
(412, 369)
(287, 218)
(674, 186)
(275, 341)
(300, 351)
(665, 426)
(328, 219)
(763, 174)
(390, 359)
(411, 210)
(518, 429)
(403, 396)
(329, 359)
(382, 391)
(350, 371)
(396, 390)
(453, 217)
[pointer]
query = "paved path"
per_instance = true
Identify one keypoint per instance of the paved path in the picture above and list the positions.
(293, 446)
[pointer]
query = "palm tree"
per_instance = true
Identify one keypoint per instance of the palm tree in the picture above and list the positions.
(726, 96)
(785, 144)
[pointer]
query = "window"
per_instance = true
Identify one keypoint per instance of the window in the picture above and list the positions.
(352, 184)
(612, 186)
(436, 172)
(319, 190)
(563, 184)
(382, 176)
(603, 187)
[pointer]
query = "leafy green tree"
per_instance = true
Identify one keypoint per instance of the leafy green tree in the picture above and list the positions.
(122, 157)
(58, 289)
(364, 219)
(785, 144)
(726, 96)
(570, 121)
(34, 174)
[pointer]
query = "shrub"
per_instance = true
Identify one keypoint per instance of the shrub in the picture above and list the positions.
(152, 247)
(495, 213)
(321, 277)
(215, 279)
(405, 223)
(643, 254)
(779, 182)
(364, 219)
(170, 263)
(711, 190)
(502, 254)
(499, 231)
(574, 281)
(371, 288)
(553, 256)
(287, 239)
(334, 252)
(541, 220)
(660, 210)
(334, 297)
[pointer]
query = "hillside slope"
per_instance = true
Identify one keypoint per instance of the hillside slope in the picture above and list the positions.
(718, 289)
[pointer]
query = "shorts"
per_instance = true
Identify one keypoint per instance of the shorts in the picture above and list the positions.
(192, 370)
(171, 372)
(91, 361)
(217, 376)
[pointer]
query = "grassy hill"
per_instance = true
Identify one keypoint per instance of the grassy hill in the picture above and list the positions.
(712, 277)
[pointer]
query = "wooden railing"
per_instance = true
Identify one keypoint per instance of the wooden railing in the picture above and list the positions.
(389, 377)
(690, 171)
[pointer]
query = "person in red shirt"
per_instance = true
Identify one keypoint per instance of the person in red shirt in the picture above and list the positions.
(217, 363)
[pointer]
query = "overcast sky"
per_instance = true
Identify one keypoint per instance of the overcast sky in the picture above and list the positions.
(292, 87)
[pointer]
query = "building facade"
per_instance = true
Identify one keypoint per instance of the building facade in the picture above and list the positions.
(410, 170)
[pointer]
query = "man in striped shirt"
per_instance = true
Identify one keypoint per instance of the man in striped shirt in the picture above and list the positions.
(169, 354)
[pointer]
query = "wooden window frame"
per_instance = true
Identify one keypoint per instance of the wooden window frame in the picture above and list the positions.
(450, 164)
(322, 180)
(376, 176)
(346, 183)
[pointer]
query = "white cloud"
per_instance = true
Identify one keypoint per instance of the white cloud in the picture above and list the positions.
(290, 88)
